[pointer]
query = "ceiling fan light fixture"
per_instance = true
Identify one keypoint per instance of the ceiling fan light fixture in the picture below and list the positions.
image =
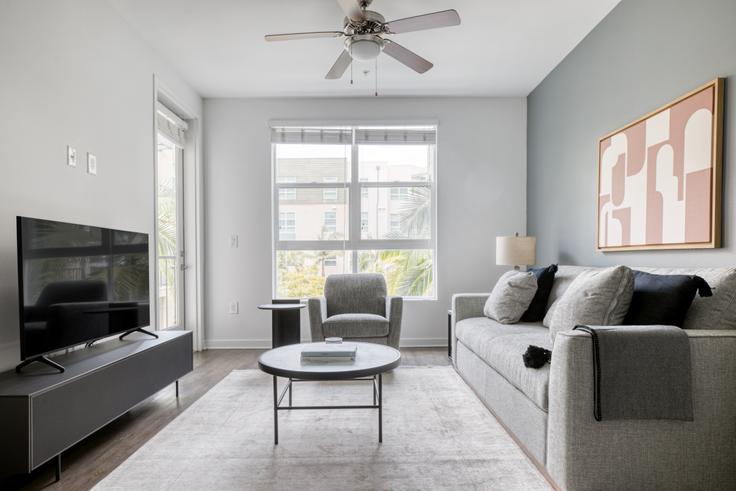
(364, 47)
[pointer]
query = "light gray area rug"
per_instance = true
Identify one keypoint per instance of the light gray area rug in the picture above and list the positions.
(436, 435)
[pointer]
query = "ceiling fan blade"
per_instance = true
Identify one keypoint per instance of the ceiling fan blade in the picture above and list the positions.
(304, 35)
(444, 18)
(408, 58)
(341, 64)
(352, 9)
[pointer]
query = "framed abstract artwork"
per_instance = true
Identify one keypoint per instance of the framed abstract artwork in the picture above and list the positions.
(659, 178)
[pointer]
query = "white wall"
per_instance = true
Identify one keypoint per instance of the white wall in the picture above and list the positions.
(73, 72)
(481, 194)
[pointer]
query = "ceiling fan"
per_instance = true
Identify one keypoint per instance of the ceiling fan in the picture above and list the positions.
(366, 31)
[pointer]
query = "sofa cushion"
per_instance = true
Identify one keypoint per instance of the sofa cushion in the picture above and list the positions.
(715, 312)
(663, 299)
(545, 281)
(596, 297)
(502, 346)
(511, 296)
(355, 326)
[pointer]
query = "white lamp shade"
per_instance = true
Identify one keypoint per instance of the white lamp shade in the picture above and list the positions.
(516, 251)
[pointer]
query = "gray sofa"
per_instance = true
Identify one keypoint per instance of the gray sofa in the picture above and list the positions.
(550, 410)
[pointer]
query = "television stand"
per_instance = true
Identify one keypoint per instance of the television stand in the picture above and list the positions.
(40, 359)
(43, 414)
(138, 330)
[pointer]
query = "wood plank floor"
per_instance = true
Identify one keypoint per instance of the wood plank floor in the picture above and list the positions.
(92, 459)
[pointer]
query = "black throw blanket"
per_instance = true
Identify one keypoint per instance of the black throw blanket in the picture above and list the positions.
(641, 372)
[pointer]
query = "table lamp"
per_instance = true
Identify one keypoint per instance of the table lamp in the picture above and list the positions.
(516, 251)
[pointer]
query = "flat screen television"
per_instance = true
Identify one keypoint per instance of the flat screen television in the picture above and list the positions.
(78, 284)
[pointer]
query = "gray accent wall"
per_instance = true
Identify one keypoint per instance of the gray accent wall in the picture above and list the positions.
(641, 56)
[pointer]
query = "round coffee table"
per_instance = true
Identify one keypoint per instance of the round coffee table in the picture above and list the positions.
(371, 361)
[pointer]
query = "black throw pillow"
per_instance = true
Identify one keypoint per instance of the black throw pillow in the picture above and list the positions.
(545, 280)
(663, 298)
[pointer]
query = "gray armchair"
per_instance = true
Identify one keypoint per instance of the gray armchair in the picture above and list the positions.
(355, 307)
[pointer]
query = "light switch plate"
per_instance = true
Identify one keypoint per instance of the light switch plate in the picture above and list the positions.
(91, 164)
(234, 241)
(233, 308)
(71, 156)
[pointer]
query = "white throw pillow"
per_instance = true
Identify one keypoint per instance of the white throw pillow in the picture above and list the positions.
(595, 298)
(511, 296)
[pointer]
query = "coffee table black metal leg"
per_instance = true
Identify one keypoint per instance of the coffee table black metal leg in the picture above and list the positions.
(275, 412)
(374, 390)
(380, 408)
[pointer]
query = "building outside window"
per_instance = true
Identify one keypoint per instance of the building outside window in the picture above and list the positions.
(288, 194)
(287, 226)
(365, 200)
(329, 194)
(330, 222)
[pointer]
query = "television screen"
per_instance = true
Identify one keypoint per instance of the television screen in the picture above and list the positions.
(79, 283)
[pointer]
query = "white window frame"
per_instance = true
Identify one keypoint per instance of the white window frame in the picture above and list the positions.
(355, 188)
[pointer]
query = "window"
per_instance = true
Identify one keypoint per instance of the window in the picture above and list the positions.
(287, 194)
(399, 194)
(329, 194)
(366, 201)
(363, 221)
(395, 223)
(330, 222)
(287, 225)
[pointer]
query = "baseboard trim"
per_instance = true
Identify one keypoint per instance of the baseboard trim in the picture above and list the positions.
(266, 343)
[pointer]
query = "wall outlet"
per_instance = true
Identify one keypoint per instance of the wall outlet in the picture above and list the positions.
(234, 241)
(233, 308)
(71, 156)
(91, 164)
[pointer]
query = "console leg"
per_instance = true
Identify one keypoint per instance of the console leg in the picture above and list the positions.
(40, 359)
(177, 389)
(138, 330)
(58, 468)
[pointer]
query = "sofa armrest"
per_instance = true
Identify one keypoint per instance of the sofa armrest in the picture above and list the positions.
(465, 306)
(583, 453)
(317, 307)
(394, 311)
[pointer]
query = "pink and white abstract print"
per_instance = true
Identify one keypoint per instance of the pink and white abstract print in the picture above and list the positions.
(656, 178)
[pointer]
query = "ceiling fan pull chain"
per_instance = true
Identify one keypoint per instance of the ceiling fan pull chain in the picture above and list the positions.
(351, 64)
(376, 79)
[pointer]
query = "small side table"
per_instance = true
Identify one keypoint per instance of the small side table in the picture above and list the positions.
(285, 323)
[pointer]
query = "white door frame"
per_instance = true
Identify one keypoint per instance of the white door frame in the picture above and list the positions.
(192, 226)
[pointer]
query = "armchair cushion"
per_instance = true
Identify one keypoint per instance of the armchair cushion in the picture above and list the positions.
(363, 293)
(355, 326)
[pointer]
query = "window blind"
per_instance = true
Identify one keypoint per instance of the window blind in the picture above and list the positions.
(397, 136)
(333, 136)
(171, 125)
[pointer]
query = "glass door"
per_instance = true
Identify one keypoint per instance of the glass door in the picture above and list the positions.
(169, 233)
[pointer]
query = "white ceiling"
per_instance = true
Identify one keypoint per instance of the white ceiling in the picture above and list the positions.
(502, 47)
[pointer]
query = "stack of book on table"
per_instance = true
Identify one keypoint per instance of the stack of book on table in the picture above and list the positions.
(327, 352)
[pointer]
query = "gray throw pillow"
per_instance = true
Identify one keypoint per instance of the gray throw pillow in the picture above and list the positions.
(511, 296)
(596, 298)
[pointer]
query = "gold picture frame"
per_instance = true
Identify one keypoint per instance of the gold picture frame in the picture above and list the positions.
(660, 177)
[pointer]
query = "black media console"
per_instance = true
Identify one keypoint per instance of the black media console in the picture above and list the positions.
(43, 412)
